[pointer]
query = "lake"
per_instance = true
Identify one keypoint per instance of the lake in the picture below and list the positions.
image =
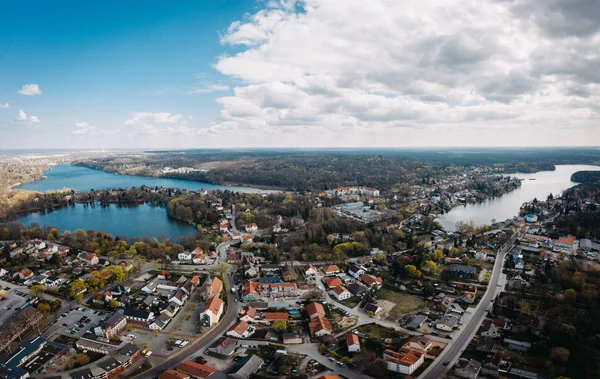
(131, 221)
(508, 205)
(83, 179)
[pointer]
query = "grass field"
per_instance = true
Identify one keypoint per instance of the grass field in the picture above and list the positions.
(405, 303)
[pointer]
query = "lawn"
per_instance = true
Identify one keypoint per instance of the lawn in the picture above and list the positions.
(351, 302)
(405, 303)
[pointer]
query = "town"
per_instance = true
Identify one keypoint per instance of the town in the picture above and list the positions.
(238, 304)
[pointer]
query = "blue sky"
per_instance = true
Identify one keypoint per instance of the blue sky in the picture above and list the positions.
(298, 73)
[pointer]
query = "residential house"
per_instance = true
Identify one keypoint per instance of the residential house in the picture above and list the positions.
(372, 281)
(224, 347)
(246, 367)
(249, 315)
(251, 228)
(169, 309)
(517, 345)
(357, 289)
(355, 271)
(309, 271)
(211, 287)
(340, 293)
(212, 311)
(25, 274)
(315, 310)
(150, 286)
(467, 368)
(224, 227)
(292, 338)
(480, 255)
(421, 343)
(331, 269)
(161, 322)
(565, 243)
(370, 307)
(353, 343)
(170, 374)
(185, 256)
(89, 259)
(270, 267)
(179, 298)
(462, 271)
(446, 323)
(137, 315)
(241, 329)
(488, 329)
(120, 290)
(332, 281)
(112, 326)
(276, 316)
(416, 322)
(320, 326)
(196, 370)
(487, 345)
(234, 259)
(519, 264)
(406, 361)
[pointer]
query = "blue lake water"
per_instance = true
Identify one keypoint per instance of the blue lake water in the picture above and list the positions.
(84, 179)
(130, 221)
(139, 220)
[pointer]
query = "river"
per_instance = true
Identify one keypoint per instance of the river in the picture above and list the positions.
(508, 205)
(83, 179)
(131, 221)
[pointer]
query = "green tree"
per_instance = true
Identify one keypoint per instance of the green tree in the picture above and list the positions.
(428, 267)
(411, 271)
(346, 360)
(155, 332)
(36, 290)
(560, 355)
(82, 359)
(76, 289)
(118, 272)
(113, 303)
(279, 326)
(138, 262)
(44, 308)
(187, 316)
(221, 269)
(94, 283)
(128, 327)
(570, 295)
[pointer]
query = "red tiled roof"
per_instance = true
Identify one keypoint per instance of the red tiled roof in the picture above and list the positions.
(315, 309)
(352, 339)
(404, 357)
(331, 268)
(319, 323)
(196, 369)
(332, 282)
(213, 304)
(271, 316)
(173, 374)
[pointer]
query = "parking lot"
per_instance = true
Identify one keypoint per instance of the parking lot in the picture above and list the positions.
(12, 301)
(69, 323)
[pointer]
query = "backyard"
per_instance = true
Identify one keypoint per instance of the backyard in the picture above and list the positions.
(405, 303)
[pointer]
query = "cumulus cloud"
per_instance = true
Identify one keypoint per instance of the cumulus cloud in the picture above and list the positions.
(4, 106)
(150, 124)
(158, 117)
(23, 117)
(84, 128)
(30, 90)
(209, 89)
(401, 68)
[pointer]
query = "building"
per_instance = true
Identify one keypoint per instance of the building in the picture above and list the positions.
(212, 311)
(309, 271)
(211, 287)
(276, 316)
(357, 289)
(467, 369)
(341, 293)
(224, 347)
(416, 322)
(353, 342)
(173, 374)
(246, 367)
(355, 271)
(111, 327)
(370, 307)
(332, 282)
(315, 310)
(249, 315)
(320, 326)
(372, 281)
(251, 228)
(420, 343)
(331, 269)
(405, 361)
(137, 315)
(240, 330)
(517, 345)
(185, 256)
(489, 329)
(446, 323)
(161, 322)
(196, 370)
(150, 286)
(462, 271)
(292, 338)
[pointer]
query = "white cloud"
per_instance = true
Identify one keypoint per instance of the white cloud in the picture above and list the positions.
(4, 106)
(210, 88)
(23, 117)
(408, 72)
(151, 124)
(84, 128)
(158, 117)
(30, 90)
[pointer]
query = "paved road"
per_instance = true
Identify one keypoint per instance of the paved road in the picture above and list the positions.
(312, 350)
(205, 339)
(436, 370)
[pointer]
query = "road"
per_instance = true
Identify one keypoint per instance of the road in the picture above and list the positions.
(454, 349)
(230, 318)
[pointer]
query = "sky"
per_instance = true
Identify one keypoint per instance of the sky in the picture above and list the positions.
(299, 73)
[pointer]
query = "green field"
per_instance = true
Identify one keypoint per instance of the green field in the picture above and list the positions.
(405, 303)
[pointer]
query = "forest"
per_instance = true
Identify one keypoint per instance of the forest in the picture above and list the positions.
(581, 216)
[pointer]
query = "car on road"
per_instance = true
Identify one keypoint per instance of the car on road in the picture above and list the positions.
(65, 324)
(446, 363)
(331, 359)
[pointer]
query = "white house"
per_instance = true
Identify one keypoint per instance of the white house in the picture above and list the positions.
(3, 272)
(309, 271)
(185, 256)
(406, 361)
(39, 245)
(467, 369)
(355, 271)
(250, 228)
(340, 293)
(353, 342)
(150, 286)
(240, 330)
(212, 311)
(179, 298)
